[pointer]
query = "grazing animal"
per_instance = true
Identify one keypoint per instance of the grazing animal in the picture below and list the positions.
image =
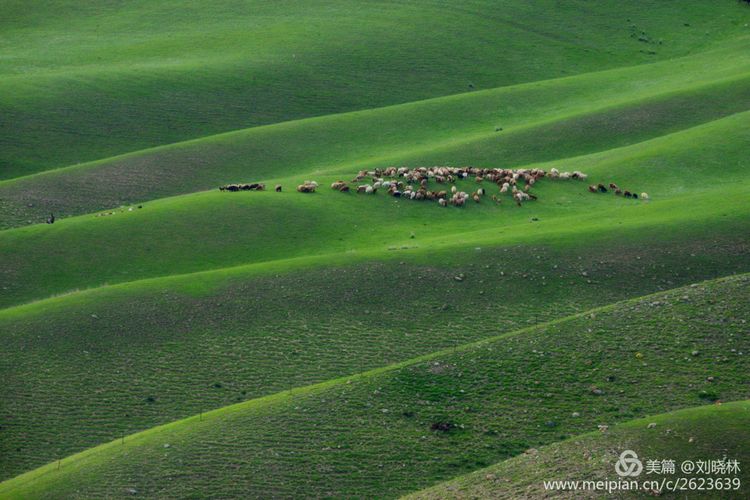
(628, 194)
(307, 187)
(443, 202)
(51, 219)
(644, 196)
(475, 197)
(442, 426)
(278, 188)
(340, 186)
(480, 191)
(618, 192)
(612, 185)
(593, 188)
(602, 188)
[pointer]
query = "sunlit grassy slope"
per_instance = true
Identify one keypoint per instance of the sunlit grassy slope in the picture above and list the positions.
(85, 367)
(212, 230)
(705, 433)
(540, 121)
(371, 434)
(102, 78)
(199, 299)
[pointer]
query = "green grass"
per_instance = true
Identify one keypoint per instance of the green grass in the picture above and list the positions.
(98, 79)
(224, 303)
(541, 122)
(704, 433)
(214, 230)
(369, 434)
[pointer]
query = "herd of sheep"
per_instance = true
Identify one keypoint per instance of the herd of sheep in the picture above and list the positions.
(413, 183)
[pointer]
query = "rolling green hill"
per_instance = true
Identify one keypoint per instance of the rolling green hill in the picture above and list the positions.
(542, 121)
(705, 433)
(103, 78)
(372, 434)
(144, 353)
(269, 344)
(214, 230)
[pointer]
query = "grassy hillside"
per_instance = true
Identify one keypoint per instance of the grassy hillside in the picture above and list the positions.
(213, 230)
(541, 122)
(103, 78)
(132, 356)
(704, 433)
(371, 434)
(167, 340)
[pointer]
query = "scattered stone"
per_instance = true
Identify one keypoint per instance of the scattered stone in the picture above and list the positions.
(651, 425)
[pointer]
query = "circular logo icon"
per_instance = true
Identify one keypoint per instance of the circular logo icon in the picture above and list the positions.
(628, 464)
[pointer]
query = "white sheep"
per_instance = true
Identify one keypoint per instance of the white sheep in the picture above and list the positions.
(644, 196)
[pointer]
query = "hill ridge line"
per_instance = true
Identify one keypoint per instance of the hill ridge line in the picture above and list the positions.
(597, 433)
(344, 257)
(270, 399)
(462, 95)
(442, 144)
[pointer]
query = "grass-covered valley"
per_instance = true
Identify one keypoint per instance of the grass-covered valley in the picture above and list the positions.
(160, 338)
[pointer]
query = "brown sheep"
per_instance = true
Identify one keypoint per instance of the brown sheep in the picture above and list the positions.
(336, 186)
(306, 188)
